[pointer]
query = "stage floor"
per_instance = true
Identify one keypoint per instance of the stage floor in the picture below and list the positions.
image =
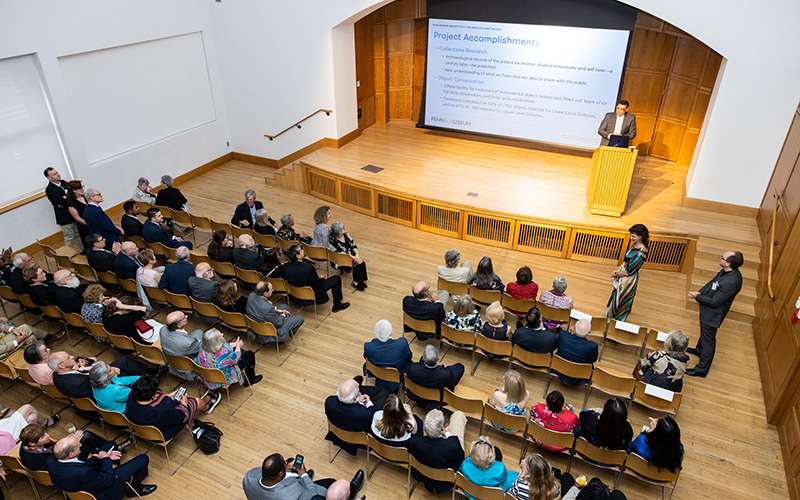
(522, 181)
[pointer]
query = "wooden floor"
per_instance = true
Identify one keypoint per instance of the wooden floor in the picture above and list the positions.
(731, 452)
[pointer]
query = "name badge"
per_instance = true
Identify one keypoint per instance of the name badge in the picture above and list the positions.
(715, 285)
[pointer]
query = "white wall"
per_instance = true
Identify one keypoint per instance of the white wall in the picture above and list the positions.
(54, 28)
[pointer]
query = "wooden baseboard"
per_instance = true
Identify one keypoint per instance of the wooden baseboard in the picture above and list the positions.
(719, 207)
(338, 143)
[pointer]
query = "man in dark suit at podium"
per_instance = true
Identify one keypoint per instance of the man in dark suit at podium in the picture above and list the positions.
(620, 122)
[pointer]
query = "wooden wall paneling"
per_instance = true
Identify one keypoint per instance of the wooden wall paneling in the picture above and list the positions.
(781, 354)
(401, 9)
(678, 99)
(783, 170)
(782, 228)
(698, 114)
(400, 37)
(790, 196)
(643, 89)
(647, 21)
(688, 144)
(689, 59)
(667, 138)
(789, 432)
(400, 102)
(710, 71)
(420, 38)
(650, 50)
(787, 267)
(365, 71)
(381, 70)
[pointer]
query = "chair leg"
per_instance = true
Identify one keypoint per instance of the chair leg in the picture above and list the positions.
(474, 365)
(379, 462)
(547, 386)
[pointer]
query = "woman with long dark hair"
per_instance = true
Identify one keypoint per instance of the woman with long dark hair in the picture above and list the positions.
(660, 444)
(395, 423)
(626, 278)
(221, 247)
(77, 204)
(607, 428)
(484, 278)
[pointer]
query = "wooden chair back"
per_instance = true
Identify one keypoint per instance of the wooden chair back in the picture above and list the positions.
(613, 382)
(392, 454)
(553, 314)
(314, 253)
(84, 271)
(484, 345)
(129, 285)
(466, 399)
(340, 259)
(50, 311)
(517, 423)
(550, 437)
(207, 309)
(54, 393)
(350, 437)
(458, 338)
(97, 329)
(285, 244)
(138, 240)
(443, 475)
(197, 257)
(482, 492)
(200, 222)
(6, 293)
(149, 433)
(237, 231)
(166, 212)
(249, 276)
(63, 262)
(221, 226)
(151, 353)
(301, 292)
(182, 218)
(625, 337)
(531, 360)
(232, 320)
(386, 374)
(570, 369)
(452, 287)
(107, 278)
(224, 269)
(641, 469)
(181, 363)
(23, 373)
(265, 240)
(418, 325)
(601, 457)
(7, 371)
(518, 307)
(265, 329)
(121, 342)
(155, 294)
(179, 301)
(114, 418)
(422, 392)
(85, 404)
(74, 319)
(484, 297)
(655, 403)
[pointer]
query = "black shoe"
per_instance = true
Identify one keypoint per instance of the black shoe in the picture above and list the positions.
(359, 379)
(519, 324)
(255, 380)
(693, 373)
(340, 306)
(310, 474)
(694, 351)
(144, 489)
(356, 483)
(161, 371)
(55, 418)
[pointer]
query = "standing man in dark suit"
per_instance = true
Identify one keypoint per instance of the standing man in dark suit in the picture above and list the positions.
(577, 348)
(97, 220)
(153, 232)
(97, 475)
(131, 224)
(245, 213)
(176, 275)
(441, 447)
(56, 192)
(386, 352)
(424, 306)
(298, 273)
(429, 372)
(99, 258)
(715, 299)
(125, 263)
(352, 408)
(620, 122)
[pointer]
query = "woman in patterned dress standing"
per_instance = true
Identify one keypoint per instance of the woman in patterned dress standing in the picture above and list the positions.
(626, 278)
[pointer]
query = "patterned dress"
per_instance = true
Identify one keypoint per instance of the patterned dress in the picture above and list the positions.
(226, 360)
(621, 301)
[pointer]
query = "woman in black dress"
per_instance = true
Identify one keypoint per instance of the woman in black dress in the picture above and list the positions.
(77, 204)
(341, 242)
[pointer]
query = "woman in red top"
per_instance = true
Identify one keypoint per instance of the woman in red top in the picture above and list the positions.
(525, 287)
(555, 415)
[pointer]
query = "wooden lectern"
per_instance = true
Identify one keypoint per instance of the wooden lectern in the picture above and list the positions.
(610, 180)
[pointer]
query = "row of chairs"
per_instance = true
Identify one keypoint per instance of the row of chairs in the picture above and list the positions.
(619, 461)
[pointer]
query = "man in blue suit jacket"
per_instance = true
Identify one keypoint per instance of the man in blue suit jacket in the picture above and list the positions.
(125, 263)
(97, 475)
(577, 348)
(386, 352)
(176, 276)
(152, 232)
(97, 220)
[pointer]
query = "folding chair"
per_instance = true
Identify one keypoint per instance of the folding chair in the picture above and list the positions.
(534, 361)
(265, 240)
(482, 492)
(155, 437)
(418, 326)
(391, 375)
(419, 391)
(341, 260)
(570, 369)
(484, 297)
(279, 288)
(8, 295)
(600, 457)
(654, 402)
(458, 339)
(443, 475)
(515, 425)
(184, 219)
(179, 302)
(639, 468)
(206, 309)
(626, 334)
(614, 383)
(467, 400)
(317, 255)
(452, 287)
(486, 347)
(203, 223)
(307, 294)
(267, 329)
(385, 453)
(517, 307)
(215, 375)
(553, 314)
(350, 437)
(285, 244)
(552, 438)
(248, 276)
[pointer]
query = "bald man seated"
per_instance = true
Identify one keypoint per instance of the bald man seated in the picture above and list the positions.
(424, 305)
(577, 348)
(351, 409)
(97, 475)
(125, 263)
(176, 341)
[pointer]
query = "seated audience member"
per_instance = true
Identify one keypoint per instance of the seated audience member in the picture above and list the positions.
(557, 299)
(221, 247)
(440, 448)
(351, 409)
(41, 288)
(97, 220)
(321, 231)
(94, 299)
(171, 197)
(16, 281)
(594, 490)
(453, 269)
(143, 192)
(175, 341)
(110, 390)
(6, 267)
(36, 446)
(176, 275)
(665, 368)
(495, 327)
(607, 427)
(533, 337)
(485, 278)
(131, 224)
(264, 223)
(341, 242)
(425, 306)
(18, 419)
(16, 337)
(154, 231)
(482, 468)
(512, 398)
(577, 348)
(231, 359)
(464, 317)
(395, 424)
(125, 263)
(386, 352)
(147, 405)
(37, 355)
(261, 309)
(271, 262)
(279, 479)
(121, 319)
(556, 415)
(287, 232)
(299, 273)
(69, 291)
(434, 375)
(524, 288)
(71, 374)
(148, 274)
(228, 298)
(538, 481)
(246, 255)
(76, 196)
(245, 213)
(99, 258)
(661, 444)
(97, 475)
(201, 286)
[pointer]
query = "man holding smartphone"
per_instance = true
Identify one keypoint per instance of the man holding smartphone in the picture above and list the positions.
(280, 479)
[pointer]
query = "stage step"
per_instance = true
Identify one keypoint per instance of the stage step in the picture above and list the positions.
(289, 176)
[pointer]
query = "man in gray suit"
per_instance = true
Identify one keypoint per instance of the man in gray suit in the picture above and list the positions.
(620, 122)
(175, 341)
(261, 309)
(201, 286)
(280, 479)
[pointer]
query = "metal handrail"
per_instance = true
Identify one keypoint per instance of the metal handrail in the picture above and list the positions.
(326, 111)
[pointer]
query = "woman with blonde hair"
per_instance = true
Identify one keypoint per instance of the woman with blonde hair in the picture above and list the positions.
(264, 223)
(322, 234)
(512, 397)
(464, 316)
(538, 481)
(228, 298)
(484, 468)
(665, 368)
(496, 326)
(395, 423)
(148, 274)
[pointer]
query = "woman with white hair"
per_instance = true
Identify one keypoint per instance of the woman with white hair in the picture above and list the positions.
(231, 359)
(287, 232)
(341, 242)
(557, 299)
(143, 192)
(484, 468)
(665, 368)
(264, 223)
(110, 390)
(171, 197)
